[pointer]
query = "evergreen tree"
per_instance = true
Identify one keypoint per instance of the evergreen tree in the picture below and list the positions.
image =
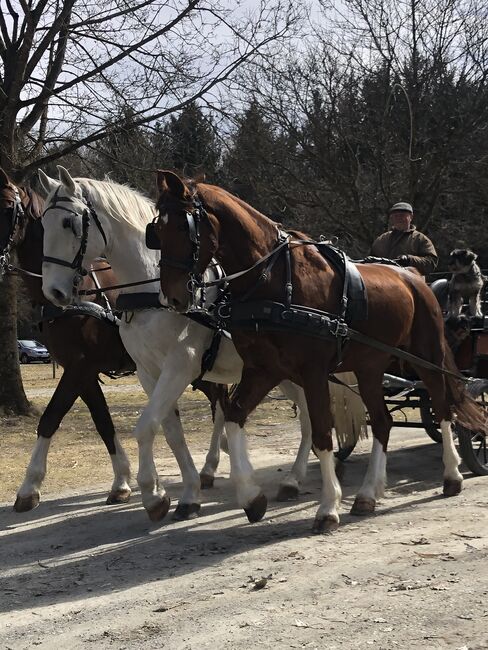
(189, 143)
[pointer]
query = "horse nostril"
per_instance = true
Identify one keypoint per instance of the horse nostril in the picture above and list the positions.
(59, 296)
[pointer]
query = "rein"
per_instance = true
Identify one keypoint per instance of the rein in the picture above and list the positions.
(333, 325)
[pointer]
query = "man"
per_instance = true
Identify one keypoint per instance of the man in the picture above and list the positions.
(403, 243)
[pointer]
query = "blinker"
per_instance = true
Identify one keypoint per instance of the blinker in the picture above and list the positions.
(152, 239)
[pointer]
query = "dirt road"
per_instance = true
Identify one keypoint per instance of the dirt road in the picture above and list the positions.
(78, 574)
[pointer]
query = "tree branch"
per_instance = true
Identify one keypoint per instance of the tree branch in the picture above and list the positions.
(107, 64)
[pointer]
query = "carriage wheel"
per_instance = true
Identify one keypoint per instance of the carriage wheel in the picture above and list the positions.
(472, 444)
(429, 421)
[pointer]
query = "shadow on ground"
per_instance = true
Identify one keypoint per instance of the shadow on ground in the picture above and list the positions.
(73, 548)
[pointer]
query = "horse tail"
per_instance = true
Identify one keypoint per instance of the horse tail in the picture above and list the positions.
(348, 410)
(468, 412)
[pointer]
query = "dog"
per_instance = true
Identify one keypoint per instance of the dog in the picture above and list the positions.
(466, 282)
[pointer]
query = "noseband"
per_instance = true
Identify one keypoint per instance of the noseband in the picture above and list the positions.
(17, 220)
(77, 263)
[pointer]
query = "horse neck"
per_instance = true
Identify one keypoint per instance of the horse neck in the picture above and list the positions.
(245, 235)
(127, 253)
(29, 250)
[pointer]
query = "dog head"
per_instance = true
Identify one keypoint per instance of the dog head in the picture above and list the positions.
(461, 260)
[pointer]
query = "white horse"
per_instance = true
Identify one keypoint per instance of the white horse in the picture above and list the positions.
(85, 219)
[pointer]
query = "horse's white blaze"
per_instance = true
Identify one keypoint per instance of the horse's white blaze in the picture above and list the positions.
(36, 470)
(373, 486)
(241, 470)
(331, 489)
(450, 457)
(121, 467)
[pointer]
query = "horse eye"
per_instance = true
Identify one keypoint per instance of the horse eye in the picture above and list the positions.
(66, 222)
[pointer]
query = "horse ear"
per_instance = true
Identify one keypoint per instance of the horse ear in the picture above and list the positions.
(169, 182)
(3, 178)
(46, 184)
(66, 179)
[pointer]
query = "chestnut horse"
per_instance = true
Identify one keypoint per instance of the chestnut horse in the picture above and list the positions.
(198, 222)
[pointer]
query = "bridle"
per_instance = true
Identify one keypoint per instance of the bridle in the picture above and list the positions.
(89, 211)
(196, 286)
(17, 220)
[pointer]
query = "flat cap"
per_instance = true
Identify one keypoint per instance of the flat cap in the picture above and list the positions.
(401, 207)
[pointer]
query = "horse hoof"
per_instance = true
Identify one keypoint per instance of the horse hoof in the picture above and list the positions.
(160, 510)
(256, 509)
(118, 496)
(206, 481)
(363, 506)
(324, 525)
(185, 511)
(287, 493)
(24, 504)
(452, 487)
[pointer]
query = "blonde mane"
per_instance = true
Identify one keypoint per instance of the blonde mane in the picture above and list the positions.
(120, 202)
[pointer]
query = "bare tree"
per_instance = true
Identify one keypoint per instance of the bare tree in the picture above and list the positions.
(383, 101)
(71, 68)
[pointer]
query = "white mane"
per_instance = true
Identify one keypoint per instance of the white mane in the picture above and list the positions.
(119, 202)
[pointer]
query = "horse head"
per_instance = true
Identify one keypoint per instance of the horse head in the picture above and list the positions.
(13, 205)
(70, 244)
(188, 239)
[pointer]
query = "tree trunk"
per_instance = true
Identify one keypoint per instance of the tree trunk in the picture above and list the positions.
(12, 396)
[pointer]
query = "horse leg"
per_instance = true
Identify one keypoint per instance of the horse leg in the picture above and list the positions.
(435, 384)
(253, 387)
(189, 503)
(63, 398)
(216, 395)
(316, 387)
(373, 486)
(207, 474)
(290, 485)
(94, 398)
(161, 409)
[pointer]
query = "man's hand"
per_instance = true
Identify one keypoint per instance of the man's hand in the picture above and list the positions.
(403, 260)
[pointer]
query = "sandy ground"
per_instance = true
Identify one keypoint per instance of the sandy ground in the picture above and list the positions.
(78, 574)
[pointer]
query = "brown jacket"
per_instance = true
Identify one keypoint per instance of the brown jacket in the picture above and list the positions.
(415, 245)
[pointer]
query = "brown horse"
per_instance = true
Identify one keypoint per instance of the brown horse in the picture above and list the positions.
(83, 345)
(198, 222)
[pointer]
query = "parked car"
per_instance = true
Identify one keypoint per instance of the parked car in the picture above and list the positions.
(32, 351)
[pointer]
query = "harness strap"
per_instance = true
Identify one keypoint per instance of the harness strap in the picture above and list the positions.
(234, 276)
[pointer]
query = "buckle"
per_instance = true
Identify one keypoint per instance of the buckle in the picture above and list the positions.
(339, 328)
